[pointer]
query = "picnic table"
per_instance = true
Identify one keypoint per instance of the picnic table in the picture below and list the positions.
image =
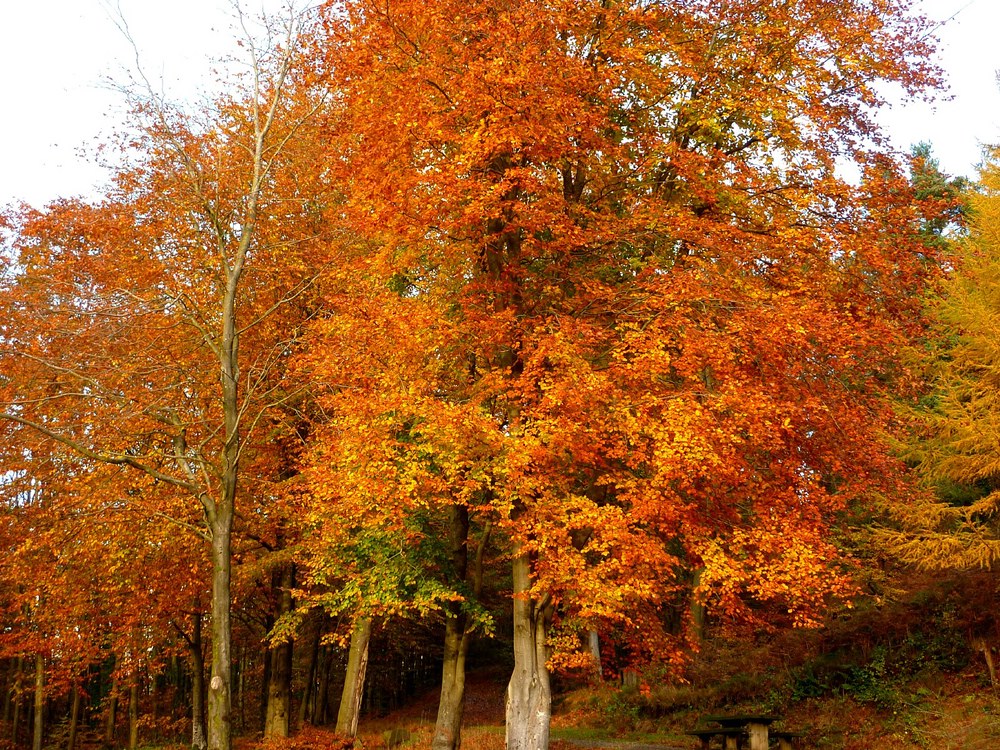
(736, 731)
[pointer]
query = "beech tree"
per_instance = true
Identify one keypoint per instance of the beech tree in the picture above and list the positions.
(673, 315)
(141, 331)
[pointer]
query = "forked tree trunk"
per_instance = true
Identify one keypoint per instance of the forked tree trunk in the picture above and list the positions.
(354, 679)
(36, 742)
(74, 717)
(529, 694)
(451, 707)
(279, 688)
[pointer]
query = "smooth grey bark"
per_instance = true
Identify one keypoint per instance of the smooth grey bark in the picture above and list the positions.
(529, 692)
(354, 679)
(594, 644)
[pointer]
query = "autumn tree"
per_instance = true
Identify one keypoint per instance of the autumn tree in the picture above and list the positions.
(141, 330)
(672, 314)
(952, 525)
(397, 514)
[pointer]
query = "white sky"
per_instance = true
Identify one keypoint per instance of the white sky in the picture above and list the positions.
(56, 54)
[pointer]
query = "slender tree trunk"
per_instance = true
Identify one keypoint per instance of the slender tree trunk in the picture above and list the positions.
(198, 731)
(109, 726)
(309, 689)
(594, 644)
(241, 687)
(529, 694)
(15, 722)
(219, 702)
(322, 696)
(154, 701)
(8, 682)
(36, 743)
(451, 706)
(354, 679)
(265, 681)
(697, 606)
(74, 717)
(133, 713)
(11, 707)
(279, 689)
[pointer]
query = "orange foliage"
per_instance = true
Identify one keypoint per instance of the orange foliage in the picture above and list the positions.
(638, 317)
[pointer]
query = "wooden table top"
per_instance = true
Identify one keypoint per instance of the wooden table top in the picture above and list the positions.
(739, 720)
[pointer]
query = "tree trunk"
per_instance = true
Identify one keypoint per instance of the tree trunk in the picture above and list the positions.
(154, 701)
(241, 687)
(322, 697)
(8, 683)
(354, 679)
(133, 713)
(13, 708)
(697, 606)
(451, 706)
(594, 644)
(309, 689)
(529, 694)
(109, 726)
(279, 689)
(74, 717)
(36, 743)
(219, 702)
(448, 729)
(198, 733)
(16, 720)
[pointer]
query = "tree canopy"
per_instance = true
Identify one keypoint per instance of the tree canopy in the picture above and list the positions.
(575, 286)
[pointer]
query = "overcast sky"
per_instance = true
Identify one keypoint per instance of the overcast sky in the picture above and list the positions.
(56, 54)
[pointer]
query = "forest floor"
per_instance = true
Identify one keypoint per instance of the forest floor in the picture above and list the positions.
(895, 671)
(940, 712)
(484, 723)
